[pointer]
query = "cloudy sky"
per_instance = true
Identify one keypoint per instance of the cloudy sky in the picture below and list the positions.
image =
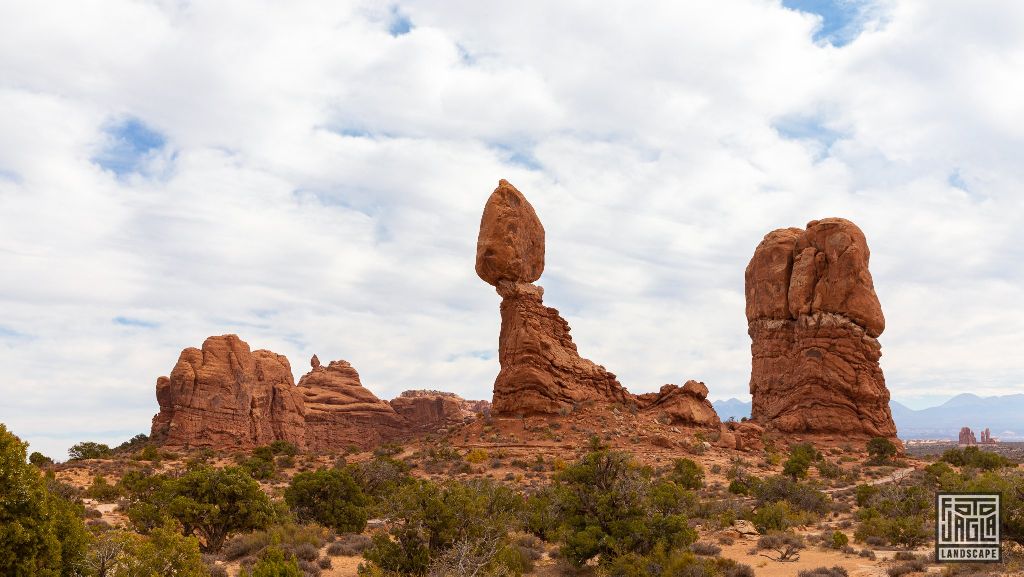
(310, 176)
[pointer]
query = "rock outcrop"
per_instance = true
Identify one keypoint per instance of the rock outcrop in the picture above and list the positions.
(226, 396)
(341, 412)
(436, 410)
(541, 370)
(813, 318)
(686, 405)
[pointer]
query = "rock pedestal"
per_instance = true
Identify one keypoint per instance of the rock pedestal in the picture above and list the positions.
(813, 319)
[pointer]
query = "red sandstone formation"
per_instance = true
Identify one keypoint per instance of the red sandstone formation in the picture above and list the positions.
(967, 437)
(814, 318)
(686, 405)
(435, 410)
(541, 371)
(226, 396)
(341, 412)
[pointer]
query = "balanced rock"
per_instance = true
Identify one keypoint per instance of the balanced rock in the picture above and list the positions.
(511, 242)
(813, 319)
(541, 370)
(341, 412)
(434, 410)
(226, 396)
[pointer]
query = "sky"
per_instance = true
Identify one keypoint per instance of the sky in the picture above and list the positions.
(310, 176)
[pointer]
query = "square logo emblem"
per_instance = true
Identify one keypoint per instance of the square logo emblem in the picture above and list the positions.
(967, 528)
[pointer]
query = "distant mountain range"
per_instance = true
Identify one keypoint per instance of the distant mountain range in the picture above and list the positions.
(1003, 415)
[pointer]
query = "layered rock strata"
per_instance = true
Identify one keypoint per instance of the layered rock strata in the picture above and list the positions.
(225, 395)
(814, 319)
(541, 370)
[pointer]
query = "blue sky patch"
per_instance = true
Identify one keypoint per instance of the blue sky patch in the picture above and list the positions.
(398, 23)
(842, 20)
(806, 128)
(130, 142)
(133, 322)
(517, 155)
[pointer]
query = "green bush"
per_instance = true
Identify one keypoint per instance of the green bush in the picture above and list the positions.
(678, 562)
(687, 474)
(274, 563)
(605, 510)
(429, 520)
(880, 450)
(330, 497)
(977, 458)
(801, 496)
(41, 533)
(103, 491)
(213, 503)
(88, 450)
(800, 458)
(280, 447)
(39, 460)
(164, 551)
(838, 540)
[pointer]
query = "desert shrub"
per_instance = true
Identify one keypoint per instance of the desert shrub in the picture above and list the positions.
(349, 545)
(477, 456)
(800, 459)
(450, 522)
(281, 447)
(380, 476)
(541, 514)
(39, 460)
(103, 491)
(915, 566)
(330, 497)
(705, 548)
(687, 474)
(164, 551)
(829, 470)
(284, 461)
(867, 554)
(306, 552)
(274, 563)
(785, 546)
(88, 450)
(908, 531)
(880, 451)
(977, 458)
(800, 495)
(325, 563)
(289, 537)
(212, 503)
(835, 571)
(836, 540)
(148, 453)
(41, 533)
(605, 508)
(261, 464)
(864, 494)
(678, 562)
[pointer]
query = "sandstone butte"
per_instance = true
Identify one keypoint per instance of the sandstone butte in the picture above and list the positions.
(814, 320)
(542, 373)
(226, 396)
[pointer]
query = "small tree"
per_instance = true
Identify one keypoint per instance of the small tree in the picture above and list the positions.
(39, 460)
(88, 450)
(215, 503)
(880, 450)
(786, 546)
(274, 563)
(687, 474)
(330, 497)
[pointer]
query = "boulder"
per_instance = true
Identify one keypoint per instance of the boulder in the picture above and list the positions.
(510, 246)
(686, 405)
(813, 319)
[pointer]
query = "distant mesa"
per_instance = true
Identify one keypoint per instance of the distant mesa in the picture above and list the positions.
(814, 319)
(542, 373)
(224, 396)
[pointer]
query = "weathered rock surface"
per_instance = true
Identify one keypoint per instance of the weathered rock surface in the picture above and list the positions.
(686, 405)
(511, 242)
(341, 412)
(434, 410)
(813, 318)
(226, 396)
(541, 370)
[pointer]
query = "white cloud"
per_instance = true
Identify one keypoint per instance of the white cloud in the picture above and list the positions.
(321, 182)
